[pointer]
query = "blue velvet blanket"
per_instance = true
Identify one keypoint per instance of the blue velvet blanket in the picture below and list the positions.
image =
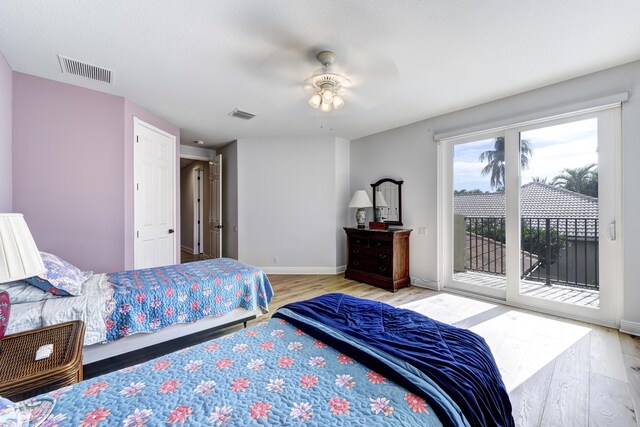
(452, 368)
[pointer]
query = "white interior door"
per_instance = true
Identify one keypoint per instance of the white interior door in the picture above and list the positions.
(215, 220)
(154, 196)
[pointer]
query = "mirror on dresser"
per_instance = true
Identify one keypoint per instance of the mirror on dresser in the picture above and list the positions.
(387, 201)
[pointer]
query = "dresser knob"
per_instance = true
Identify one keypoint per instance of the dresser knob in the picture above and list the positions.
(382, 256)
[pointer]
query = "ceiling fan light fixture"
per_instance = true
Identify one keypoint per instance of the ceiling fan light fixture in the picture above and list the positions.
(315, 100)
(327, 84)
(327, 96)
(338, 102)
(325, 107)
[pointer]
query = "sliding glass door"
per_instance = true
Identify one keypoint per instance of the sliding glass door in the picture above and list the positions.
(530, 214)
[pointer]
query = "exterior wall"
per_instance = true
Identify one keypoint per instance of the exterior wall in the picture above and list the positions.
(6, 136)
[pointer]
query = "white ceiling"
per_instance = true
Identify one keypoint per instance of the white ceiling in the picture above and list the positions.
(192, 62)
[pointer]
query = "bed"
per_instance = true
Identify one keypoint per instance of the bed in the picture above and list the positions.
(332, 360)
(130, 310)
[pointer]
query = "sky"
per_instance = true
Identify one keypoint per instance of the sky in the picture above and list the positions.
(554, 148)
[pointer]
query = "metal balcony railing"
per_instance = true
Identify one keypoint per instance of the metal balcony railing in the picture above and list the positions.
(552, 250)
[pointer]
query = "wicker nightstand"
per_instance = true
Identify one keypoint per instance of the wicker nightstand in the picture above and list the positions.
(21, 376)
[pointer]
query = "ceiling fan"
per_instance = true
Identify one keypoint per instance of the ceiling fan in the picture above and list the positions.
(327, 85)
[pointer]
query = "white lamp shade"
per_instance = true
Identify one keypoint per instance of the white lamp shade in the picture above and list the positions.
(325, 107)
(19, 255)
(338, 102)
(360, 199)
(380, 201)
(315, 100)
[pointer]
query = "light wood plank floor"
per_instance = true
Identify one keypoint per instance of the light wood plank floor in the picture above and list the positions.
(558, 372)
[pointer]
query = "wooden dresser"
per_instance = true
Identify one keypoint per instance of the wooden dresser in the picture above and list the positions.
(378, 257)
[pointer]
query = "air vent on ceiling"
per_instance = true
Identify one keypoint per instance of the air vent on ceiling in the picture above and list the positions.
(82, 69)
(241, 114)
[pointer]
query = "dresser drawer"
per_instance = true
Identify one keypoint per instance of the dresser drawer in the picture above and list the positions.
(381, 244)
(372, 261)
(379, 257)
(359, 241)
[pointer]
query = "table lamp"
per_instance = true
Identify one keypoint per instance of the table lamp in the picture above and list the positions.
(380, 203)
(19, 258)
(360, 200)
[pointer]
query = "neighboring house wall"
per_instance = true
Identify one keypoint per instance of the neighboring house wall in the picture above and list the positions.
(287, 192)
(6, 135)
(411, 151)
(72, 158)
(230, 200)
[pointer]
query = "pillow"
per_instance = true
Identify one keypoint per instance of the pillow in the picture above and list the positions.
(5, 310)
(21, 292)
(61, 278)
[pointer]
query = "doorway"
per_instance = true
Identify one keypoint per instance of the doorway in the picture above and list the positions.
(530, 214)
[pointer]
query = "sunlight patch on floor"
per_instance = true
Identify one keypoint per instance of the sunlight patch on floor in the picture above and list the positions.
(521, 341)
(449, 308)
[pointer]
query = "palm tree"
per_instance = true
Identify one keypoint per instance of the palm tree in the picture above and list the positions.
(539, 179)
(495, 160)
(582, 180)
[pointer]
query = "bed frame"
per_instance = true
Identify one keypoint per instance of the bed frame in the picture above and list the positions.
(101, 358)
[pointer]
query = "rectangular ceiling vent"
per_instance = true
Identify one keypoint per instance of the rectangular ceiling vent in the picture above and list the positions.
(82, 69)
(241, 114)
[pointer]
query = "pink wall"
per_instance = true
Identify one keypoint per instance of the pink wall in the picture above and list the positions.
(73, 170)
(132, 110)
(68, 170)
(6, 84)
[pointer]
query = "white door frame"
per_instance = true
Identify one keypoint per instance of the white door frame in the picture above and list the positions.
(611, 299)
(173, 150)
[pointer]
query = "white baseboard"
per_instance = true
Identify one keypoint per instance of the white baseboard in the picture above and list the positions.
(423, 283)
(186, 249)
(628, 327)
(304, 270)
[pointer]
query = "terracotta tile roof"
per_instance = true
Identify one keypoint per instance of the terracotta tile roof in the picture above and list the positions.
(568, 210)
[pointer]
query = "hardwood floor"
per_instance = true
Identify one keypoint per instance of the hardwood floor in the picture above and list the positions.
(558, 372)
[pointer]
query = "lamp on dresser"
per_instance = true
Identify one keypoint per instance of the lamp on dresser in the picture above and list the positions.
(360, 200)
(380, 204)
(19, 258)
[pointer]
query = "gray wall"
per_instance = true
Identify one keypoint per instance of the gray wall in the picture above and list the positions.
(230, 200)
(292, 194)
(406, 153)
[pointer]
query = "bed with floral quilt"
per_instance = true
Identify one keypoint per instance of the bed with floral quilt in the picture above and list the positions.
(117, 306)
(326, 361)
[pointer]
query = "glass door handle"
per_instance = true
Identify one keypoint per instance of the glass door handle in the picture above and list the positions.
(610, 231)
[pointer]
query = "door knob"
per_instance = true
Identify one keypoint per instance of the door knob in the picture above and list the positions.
(219, 226)
(171, 230)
